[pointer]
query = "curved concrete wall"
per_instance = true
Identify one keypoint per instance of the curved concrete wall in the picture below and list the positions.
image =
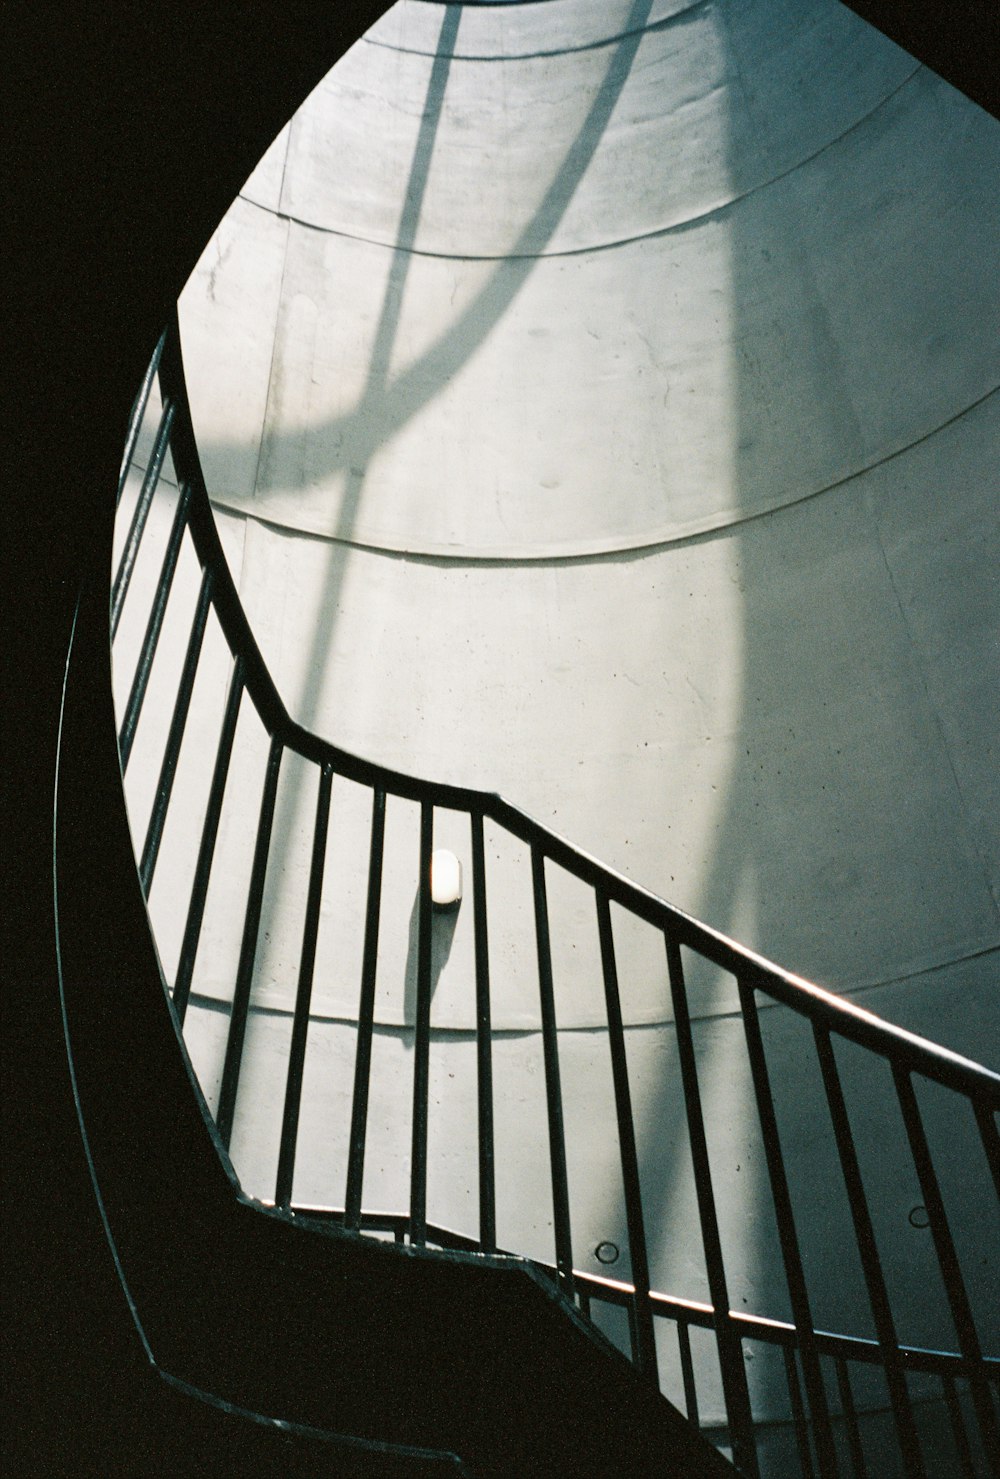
(600, 401)
(781, 727)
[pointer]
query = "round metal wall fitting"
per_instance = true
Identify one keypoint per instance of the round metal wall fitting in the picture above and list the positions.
(606, 1252)
(919, 1217)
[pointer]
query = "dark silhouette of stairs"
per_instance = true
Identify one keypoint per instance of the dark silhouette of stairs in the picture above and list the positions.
(447, 1352)
(134, 128)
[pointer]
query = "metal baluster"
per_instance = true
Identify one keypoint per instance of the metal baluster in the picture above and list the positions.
(958, 1428)
(798, 1413)
(123, 575)
(148, 651)
(734, 1378)
(248, 950)
(864, 1232)
(788, 1237)
(687, 1374)
(206, 848)
(644, 1334)
(632, 1321)
(168, 767)
(422, 1035)
(990, 1138)
(951, 1273)
(850, 1420)
(366, 1019)
(484, 1045)
(553, 1090)
(303, 996)
(136, 418)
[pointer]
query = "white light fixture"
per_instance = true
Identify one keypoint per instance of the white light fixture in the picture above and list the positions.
(446, 879)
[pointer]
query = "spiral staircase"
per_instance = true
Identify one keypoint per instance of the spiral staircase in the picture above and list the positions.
(827, 1439)
(265, 1334)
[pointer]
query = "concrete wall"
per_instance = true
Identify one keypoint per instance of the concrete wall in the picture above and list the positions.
(600, 404)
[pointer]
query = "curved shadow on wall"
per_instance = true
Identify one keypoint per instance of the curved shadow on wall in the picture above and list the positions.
(386, 403)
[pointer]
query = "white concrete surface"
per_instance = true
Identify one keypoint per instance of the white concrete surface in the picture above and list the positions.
(600, 400)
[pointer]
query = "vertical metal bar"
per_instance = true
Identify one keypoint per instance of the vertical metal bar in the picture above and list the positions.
(734, 1377)
(584, 1301)
(136, 418)
(366, 1019)
(632, 1318)
(484, 1045)
(798, 1413)
(206, 848)
(864, 1232)
(303, 996)
(787, 1236)
(553, 1090)
(961, 1437)
(687, 1374)
(148, 651)
(422, 1035)
(644, 1333)
(168, 767)
(951, 1272)
(248, 949)
(140, 514)
(990, 1138)
(850, 1420)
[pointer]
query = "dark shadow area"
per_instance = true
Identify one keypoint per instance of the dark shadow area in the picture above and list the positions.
(960, 41)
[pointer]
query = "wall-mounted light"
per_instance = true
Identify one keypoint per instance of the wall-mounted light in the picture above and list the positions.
(446, 879)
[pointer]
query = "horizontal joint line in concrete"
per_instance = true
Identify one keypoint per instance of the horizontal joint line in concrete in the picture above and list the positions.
(611, 550)
(441, 1031)
(664, 23)
(655, 233)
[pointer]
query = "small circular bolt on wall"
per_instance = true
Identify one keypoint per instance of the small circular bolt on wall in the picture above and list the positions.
(606, 1253)
(446, 879)
(918, 1217)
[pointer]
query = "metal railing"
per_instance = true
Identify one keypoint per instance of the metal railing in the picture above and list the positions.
(817, 1364)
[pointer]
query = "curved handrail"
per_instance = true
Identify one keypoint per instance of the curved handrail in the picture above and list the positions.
(907, 1055)
(835, 1012)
